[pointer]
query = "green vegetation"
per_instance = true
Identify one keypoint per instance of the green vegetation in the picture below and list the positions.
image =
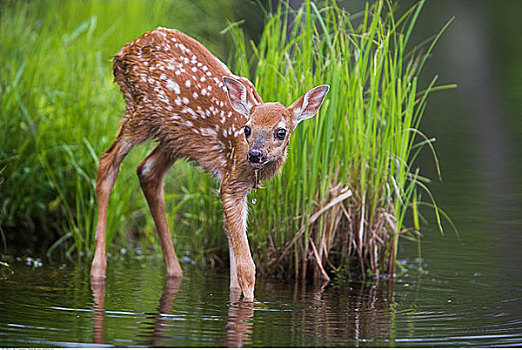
(60, 110)
(347, 186)
(364, 140)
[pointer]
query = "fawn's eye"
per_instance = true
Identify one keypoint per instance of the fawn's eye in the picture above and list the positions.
(281, 133)
(247, 131)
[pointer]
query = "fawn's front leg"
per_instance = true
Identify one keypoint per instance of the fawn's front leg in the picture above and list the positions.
(234, 284)
(235, 208)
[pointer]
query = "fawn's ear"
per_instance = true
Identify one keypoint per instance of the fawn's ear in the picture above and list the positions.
(306, 106)
(238, 96)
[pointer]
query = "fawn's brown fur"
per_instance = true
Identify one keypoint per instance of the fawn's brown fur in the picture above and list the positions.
(178, 93)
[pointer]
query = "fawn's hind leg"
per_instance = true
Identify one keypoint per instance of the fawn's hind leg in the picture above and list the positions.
(152, 172)
(108, 170)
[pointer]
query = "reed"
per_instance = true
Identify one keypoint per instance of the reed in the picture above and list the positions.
(350, 181)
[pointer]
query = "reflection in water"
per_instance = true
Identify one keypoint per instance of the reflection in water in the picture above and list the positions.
(238, 331)
(374, 306)
(349, 314)
(60, 309)
(98, 291)
(159, 322)
(165, 305)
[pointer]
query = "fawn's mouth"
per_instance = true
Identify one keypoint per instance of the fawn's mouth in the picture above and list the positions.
(258, 164)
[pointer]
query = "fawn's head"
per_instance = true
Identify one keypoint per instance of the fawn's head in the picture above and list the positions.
(269, 125)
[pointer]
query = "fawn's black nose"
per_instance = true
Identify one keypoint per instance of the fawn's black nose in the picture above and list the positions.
(254, 156)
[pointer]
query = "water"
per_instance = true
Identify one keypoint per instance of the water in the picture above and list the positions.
(138, 306)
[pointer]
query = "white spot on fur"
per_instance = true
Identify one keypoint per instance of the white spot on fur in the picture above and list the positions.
(172, 85)
(187, 83)
(189, 111)
(208, 132)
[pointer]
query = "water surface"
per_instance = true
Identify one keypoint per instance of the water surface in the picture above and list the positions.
(139, 306)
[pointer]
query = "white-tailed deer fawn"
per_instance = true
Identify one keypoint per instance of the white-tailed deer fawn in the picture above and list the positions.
(178, 93)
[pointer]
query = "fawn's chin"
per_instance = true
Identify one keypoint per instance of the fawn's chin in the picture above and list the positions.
(257, 165)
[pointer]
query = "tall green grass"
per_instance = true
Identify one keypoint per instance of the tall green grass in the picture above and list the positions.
(344, 195)
(349, 189)
(350, 179)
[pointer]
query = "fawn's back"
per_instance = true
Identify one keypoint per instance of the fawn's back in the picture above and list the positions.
(174, 92)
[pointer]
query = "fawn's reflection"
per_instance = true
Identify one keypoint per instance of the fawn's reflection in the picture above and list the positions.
(158, 320)
(98, 291)
(238, 331)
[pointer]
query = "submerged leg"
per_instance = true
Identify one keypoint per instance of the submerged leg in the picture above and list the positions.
(108, 170)
(151, 173)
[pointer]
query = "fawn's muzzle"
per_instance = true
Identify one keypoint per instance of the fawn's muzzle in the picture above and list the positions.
(255, 157)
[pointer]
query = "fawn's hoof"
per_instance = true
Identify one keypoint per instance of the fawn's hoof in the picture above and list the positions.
(98, 271)
(248, 295)
(246, 275)
(175, 274)
(97, 276)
